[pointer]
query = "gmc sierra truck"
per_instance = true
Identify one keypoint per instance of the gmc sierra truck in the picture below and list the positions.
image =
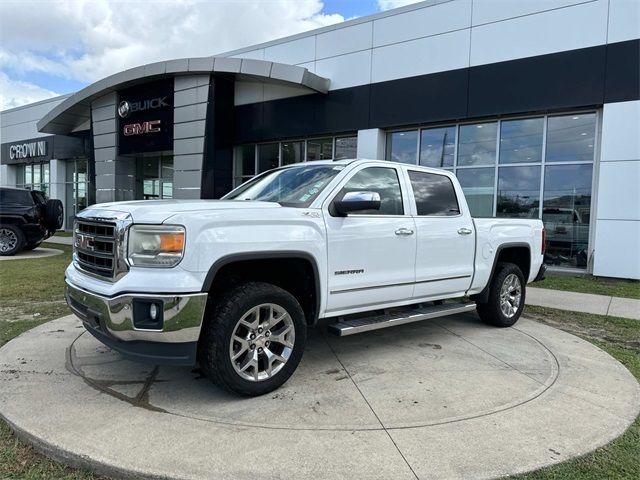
(233, 284)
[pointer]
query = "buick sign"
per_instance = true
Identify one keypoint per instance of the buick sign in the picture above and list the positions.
(126, 108)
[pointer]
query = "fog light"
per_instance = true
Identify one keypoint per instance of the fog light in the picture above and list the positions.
(153, 311)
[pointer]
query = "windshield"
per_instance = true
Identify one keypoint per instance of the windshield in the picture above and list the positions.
(290, 187)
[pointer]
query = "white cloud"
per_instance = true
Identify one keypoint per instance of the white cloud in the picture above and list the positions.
(389, 4)
(86, 40)
(14, 93)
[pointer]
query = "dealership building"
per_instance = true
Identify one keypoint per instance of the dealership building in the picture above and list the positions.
(534, 105)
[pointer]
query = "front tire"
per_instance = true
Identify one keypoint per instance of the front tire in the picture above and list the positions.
(253, 339)
(11, 240)
(507, 292)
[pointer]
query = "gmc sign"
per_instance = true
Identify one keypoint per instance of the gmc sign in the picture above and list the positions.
(152, 126)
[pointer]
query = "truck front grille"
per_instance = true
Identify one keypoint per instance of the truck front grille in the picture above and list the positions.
(95, 245)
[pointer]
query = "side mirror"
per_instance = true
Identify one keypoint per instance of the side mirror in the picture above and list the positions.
(356, 201)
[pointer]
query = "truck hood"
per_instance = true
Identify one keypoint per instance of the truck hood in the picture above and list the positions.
(158, 211)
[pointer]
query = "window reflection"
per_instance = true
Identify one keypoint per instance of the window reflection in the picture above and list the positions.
(292, 152)
(346, 147)
(477, 145)
(566, 213)
(320, 149)
(571, 138)
(518, 192)
(403, 147)
(437, 147)
(521, 140)
(267, 156)
(478, 186)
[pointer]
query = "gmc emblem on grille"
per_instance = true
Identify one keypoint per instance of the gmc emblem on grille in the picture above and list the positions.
(85, 242)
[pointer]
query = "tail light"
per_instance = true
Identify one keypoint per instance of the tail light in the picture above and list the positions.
(544, 241)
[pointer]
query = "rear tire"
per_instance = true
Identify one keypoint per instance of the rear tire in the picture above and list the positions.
(31, 246)
(253, 338)
(507, 292)
(11, 240)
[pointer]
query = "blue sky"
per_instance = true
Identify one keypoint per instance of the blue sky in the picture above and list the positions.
(54, 47)
(350, 8)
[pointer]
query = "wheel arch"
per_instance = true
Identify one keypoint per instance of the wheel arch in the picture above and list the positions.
(508, 252)
(221, 268)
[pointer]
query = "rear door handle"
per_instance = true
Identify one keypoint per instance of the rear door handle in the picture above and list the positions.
(465, 231)
(404, 231)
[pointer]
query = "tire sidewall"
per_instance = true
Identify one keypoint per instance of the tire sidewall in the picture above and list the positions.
(19, 244)
(505, 271)
(54, 214)
(267, 293)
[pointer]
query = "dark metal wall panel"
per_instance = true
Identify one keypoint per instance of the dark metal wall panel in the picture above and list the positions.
(622, 72)
(217, 161)
(546, 82)
(427, 98)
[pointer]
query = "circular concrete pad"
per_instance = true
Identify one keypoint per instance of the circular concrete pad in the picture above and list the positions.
(39, 252)
(449, 398)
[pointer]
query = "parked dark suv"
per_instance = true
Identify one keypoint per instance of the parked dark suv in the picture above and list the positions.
(27, 218)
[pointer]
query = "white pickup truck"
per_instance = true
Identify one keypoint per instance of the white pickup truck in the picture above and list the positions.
(233, 284)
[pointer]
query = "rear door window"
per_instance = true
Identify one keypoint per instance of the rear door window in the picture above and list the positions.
(434, 194)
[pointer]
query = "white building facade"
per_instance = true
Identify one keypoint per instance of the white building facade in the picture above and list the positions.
(535, 105)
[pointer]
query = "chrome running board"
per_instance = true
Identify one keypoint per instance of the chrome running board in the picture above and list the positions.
(366, 324)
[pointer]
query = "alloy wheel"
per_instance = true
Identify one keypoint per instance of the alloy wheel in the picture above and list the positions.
(262, 342)
(8, 240)
(510, 295)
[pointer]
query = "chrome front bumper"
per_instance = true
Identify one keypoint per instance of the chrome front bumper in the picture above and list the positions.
(124, 324)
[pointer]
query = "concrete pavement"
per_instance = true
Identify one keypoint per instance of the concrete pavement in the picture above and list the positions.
(450, 398)
(584, 302)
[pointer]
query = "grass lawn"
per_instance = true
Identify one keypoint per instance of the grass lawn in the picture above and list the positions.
(31, 292)
(588, 284)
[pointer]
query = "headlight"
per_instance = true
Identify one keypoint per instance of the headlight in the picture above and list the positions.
(156, 245)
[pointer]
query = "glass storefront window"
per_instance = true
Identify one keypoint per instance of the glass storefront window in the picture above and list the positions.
(154, 177)
(437, 147)
(320, 149)
(244, 164)
(346, 147)
(268, 156)
(478, 187)
(34, 176)
(403, 147)
(521, 140)
(292, 152)
(571, 138)
(477, 144)
(166, 174)
(566, 213)
(518, 192)
(75, 188)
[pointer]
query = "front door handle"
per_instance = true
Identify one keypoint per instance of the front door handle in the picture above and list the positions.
(404, 231)
(465, 231)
